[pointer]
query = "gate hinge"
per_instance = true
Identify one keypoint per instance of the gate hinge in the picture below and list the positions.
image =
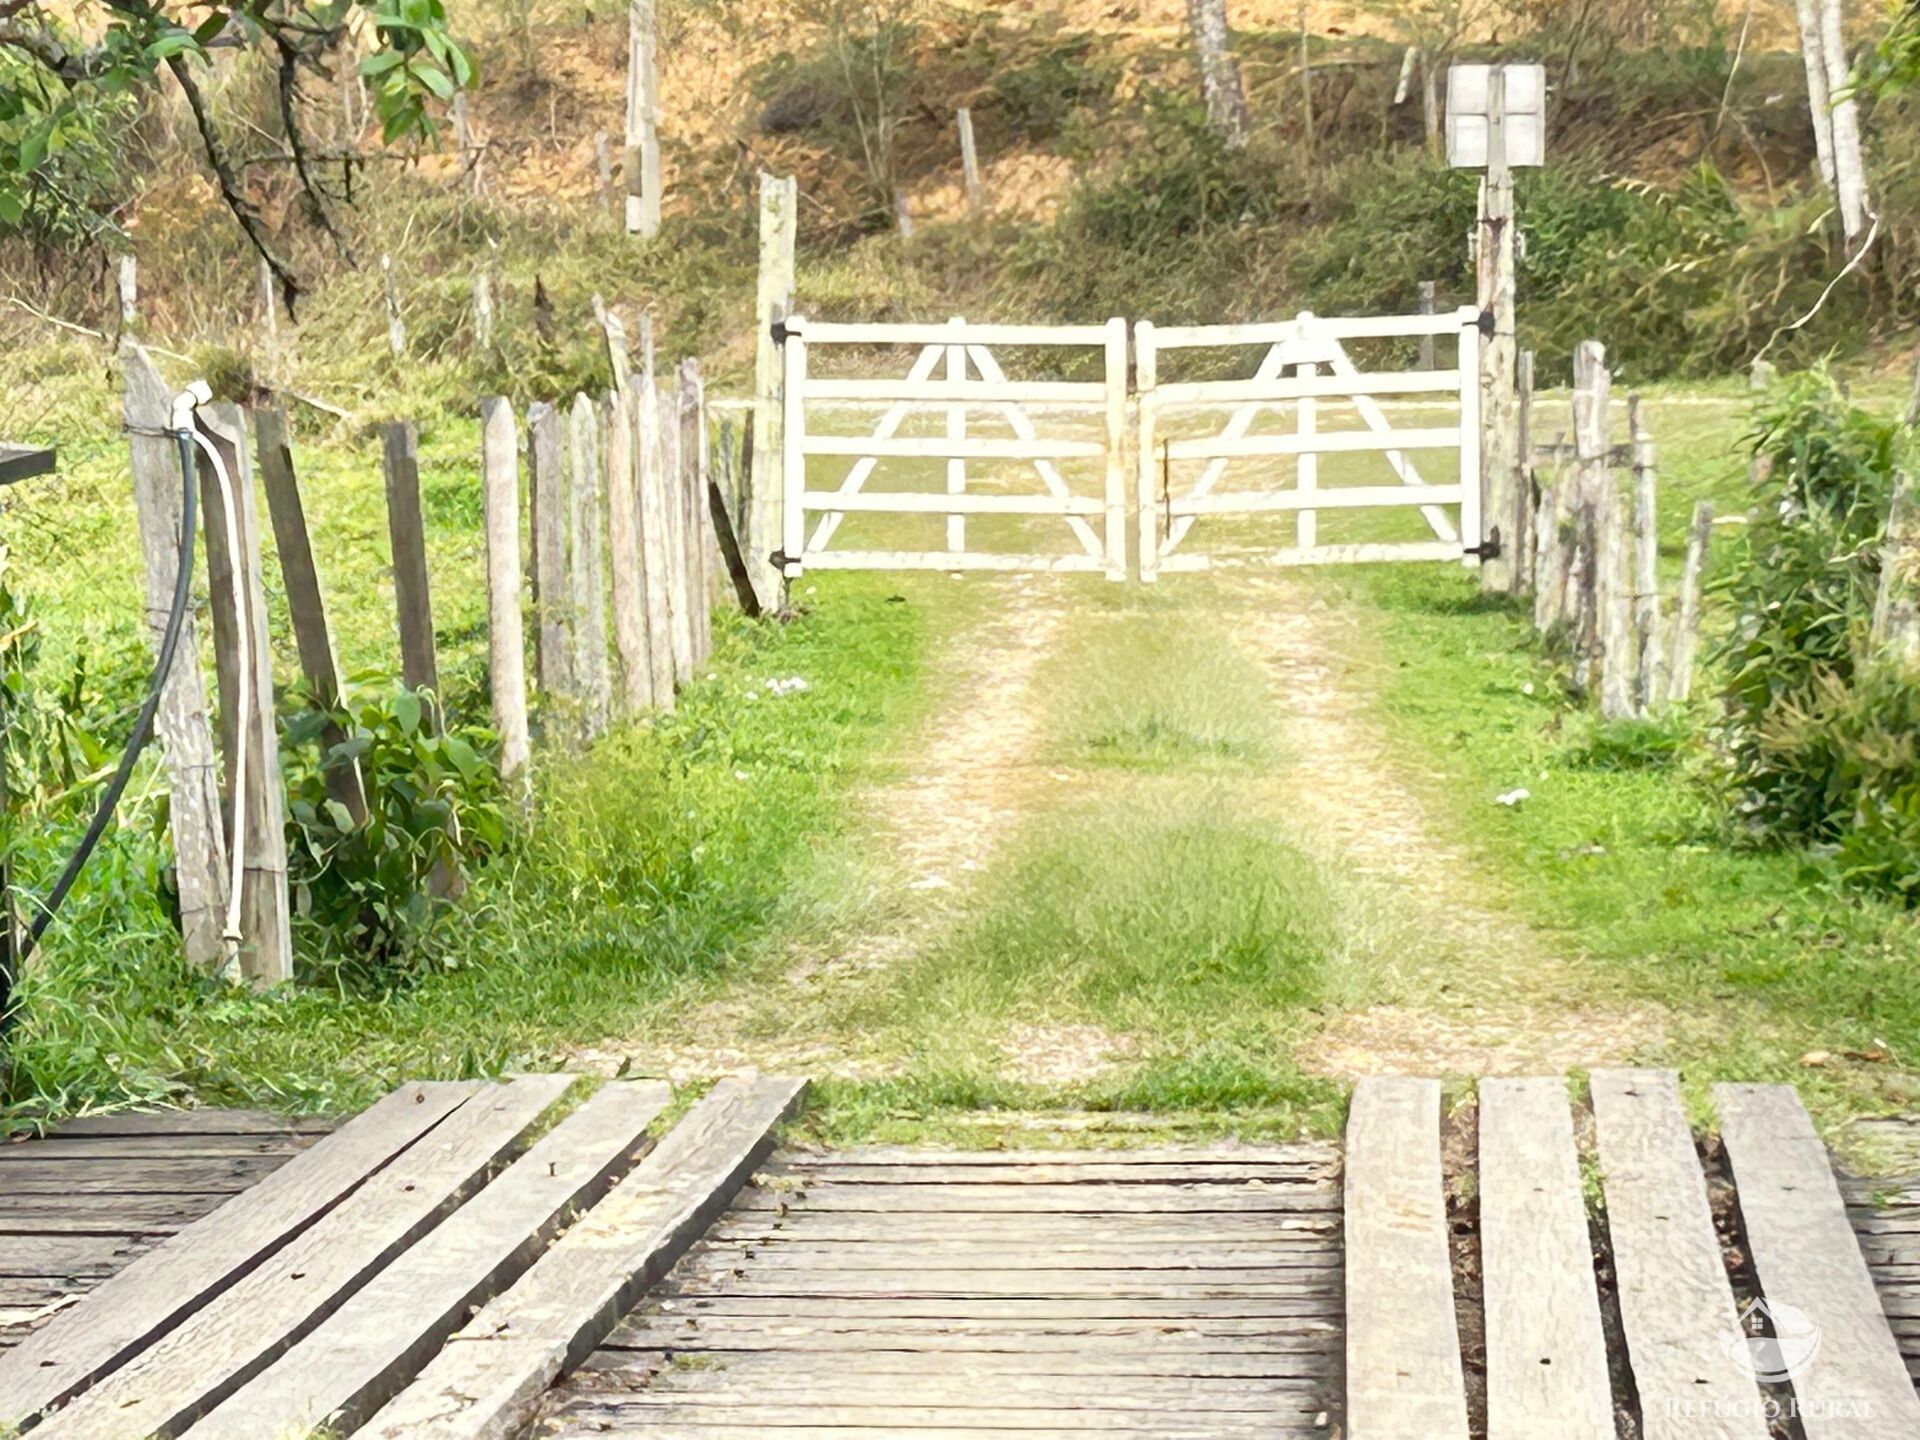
(1487, 549)
(778, 329)
(1485, 323)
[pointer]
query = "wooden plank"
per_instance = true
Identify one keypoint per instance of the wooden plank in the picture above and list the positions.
(156, 1291)
(1325, 442)
(406, 528)
(92, 1256)
(234, 1335)
(695, 533)
(1676, 1304)
(656, 535)
(489, 1379)
(943, 447)
(797, 1277)
(506, 641)
(1546, 1353)
(1335, 387)
(1362, 554)
(946, 560)
(586, 539)
(1351, 497)
(1287, 1334)
(763, 522)
(623, 550)
(630, 1367)
(822, 332)
(381, 1338)
(971, 392)
(639, 1414)
(1806, 1256)
(306, 606)
(959, 1197)
(1274, 332)
(954, 503)
(81, 1214)
(148, 1147)
(680, 598)
(169, 1176)
(1404, 1380)
(188, 1122)
(181, 723)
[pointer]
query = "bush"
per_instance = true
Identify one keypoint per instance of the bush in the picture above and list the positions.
(1818, 736)
(370, 892)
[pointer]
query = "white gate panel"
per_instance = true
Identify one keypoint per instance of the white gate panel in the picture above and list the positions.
(1311, 348)
(955, 377)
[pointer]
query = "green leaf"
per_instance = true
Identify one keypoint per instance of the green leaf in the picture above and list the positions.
(406, 710)
(436, 80)
(380, 63)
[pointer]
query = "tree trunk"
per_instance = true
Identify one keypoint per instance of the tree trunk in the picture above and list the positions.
(1219, 71)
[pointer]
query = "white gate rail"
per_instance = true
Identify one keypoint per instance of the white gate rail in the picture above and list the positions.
(1311, 347)
(955, 375)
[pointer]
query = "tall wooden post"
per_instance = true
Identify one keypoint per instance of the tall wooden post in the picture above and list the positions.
(507, 657)
(1650, 681)
(186, 735)
(1686, 617)
(396, 327)
(970, 161)
(623, 521)
(1593, 488)
(1220, 85)
(1524, 578)
(680, 602)
(779, 200)
(306, 607)
(269, 320)
(469, 152)
(406, 528)
(128, 283)
(697, 530)
(1499, 407)
(587, 538)
(655, 533)
(238, 601)
(552, 591)
(1896, 608)
(482, 309)
(643, 121)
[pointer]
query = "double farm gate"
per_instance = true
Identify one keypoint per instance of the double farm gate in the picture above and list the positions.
(1009, 447)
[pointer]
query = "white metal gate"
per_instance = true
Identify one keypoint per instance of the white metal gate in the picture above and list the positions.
(1180, 475)
(1011, 447)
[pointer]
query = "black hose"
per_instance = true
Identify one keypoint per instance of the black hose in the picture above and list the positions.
(136, 742)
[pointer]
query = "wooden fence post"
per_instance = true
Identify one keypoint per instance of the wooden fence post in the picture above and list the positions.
(603, 167)
(587, 537)
(554, 597)
(237, 600)
(779, 199)
(305, 605)
(643, 121)
(1592, 482)
(406, 528)
(1895, 636)
(500, 467)
(186, 735)
(970, 161)
(128, 283)
(655, 534)
(1686, 619)
(720, 493)
(482, 309)
(269, 321)
(902, 216)
(1650, 683)
(396, 327)
(623, 550)
(1495, 265)
(679, 576)
(1427, 360)
(469, 153)
(1528, 498)
(697, 529)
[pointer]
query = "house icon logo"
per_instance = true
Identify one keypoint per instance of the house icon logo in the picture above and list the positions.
(1773, 1342)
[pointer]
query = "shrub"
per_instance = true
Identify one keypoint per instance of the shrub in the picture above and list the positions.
(370, 892)
(1819, 737)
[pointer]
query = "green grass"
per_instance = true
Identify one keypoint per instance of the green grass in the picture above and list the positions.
(660, 856)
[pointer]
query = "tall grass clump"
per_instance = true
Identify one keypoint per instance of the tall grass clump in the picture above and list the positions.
(1819, 732)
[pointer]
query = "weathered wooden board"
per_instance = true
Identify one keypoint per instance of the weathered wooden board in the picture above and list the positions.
(171, 1281)
(1040, 1198)
(1856, 1387)
(379, 1340)
(631, 1369)
(1676, 1303)
(488, 1380)
(1404, 1379)
(171, 1123)
(223, 1175)
(231, 1337)
(1546, 1353)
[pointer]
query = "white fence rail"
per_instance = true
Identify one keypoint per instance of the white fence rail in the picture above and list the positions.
(1304, 363)
(958, 377)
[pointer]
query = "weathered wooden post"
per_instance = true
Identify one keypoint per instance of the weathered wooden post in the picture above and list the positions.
(186, 736)
(779, 200)
(1525, 576)
(1593, 494)
(643, 121)
(1686, 619)
(553, 594)
(655, 532)
(1496, 291)
(623, 522)
(128, 283)
(970, 161)
(586, 538)
(674, 494)
(1306, 81)
(699, 534)
(1427, 361)
(1649, 668)
(464, 146)
(902, 217)
(507, 655)
(1895, 635)
(603, 167)
(237, 600)
(269, 320)
(396, 327)
(482, 309)
(406, 528)
(736, 456)
(305, 605)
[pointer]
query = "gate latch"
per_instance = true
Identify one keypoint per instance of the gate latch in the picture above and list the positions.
(778, 329)
(1487, 549)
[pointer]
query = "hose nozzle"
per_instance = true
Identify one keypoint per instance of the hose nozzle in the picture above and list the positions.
(187, 401)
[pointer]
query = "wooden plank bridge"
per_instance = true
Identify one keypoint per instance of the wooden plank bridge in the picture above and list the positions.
(496, 1259)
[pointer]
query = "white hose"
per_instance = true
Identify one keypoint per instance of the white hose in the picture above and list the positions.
(183, 407)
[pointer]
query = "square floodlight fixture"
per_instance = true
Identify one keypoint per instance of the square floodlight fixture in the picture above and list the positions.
(1469, 91)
